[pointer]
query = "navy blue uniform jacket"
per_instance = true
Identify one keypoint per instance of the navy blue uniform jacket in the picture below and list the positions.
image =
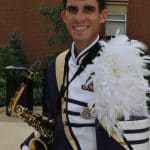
(52, 109)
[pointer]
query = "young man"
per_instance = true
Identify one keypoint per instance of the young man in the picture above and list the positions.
(75, 128)
(82, 19)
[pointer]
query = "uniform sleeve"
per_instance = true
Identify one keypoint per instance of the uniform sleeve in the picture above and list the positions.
(51, 101)
(25, 147)
(135, 133)
(25, 143)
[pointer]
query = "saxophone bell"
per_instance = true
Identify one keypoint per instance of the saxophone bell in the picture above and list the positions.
(37, 144)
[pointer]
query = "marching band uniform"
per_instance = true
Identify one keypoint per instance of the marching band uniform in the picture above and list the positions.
(75, 127)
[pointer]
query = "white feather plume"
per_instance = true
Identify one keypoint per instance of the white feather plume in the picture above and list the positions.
(119, 86)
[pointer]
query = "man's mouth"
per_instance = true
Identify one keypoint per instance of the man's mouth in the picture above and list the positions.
(80, 28)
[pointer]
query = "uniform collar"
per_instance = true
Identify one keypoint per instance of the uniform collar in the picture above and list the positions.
(78, 59)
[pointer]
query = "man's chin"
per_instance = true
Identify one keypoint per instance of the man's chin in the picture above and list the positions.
(80, 38)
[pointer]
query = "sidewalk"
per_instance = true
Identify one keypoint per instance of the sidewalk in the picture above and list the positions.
(13, 131)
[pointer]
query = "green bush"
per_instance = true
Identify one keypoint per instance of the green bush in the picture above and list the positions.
(14, 43)
(10, 54)
(55, 25)
(7, 56)
(38, 88)
(2, 91)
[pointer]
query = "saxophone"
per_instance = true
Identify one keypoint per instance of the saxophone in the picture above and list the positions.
(43, 125)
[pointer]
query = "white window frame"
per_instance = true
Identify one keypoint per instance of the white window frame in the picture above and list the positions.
(117, 20)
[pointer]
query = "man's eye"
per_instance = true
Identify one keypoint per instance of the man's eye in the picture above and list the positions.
(89, 9)
(72, 9)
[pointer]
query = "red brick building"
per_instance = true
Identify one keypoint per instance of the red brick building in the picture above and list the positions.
(23, 17)
(131, 16)
(139, 20)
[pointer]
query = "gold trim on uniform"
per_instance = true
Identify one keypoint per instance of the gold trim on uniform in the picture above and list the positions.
(60, 60)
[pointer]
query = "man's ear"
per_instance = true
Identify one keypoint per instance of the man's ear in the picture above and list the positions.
(63, 16)
(103, 15)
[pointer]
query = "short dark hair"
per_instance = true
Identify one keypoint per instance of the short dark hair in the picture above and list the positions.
(100, 2)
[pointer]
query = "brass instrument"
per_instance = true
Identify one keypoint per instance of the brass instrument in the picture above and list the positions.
(43, 125)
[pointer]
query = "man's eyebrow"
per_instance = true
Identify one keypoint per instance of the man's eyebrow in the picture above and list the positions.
(89, 7)
(71, 7)
(86, 7)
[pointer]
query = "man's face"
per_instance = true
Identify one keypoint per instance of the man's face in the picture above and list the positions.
(82, 19)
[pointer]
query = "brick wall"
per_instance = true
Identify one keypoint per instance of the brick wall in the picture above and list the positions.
(23, 17)
(139, 20)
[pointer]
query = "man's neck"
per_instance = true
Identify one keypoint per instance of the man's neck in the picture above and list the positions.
(80, 46)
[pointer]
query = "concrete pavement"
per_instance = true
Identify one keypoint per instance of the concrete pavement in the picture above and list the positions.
(13, 131)
(12, 135)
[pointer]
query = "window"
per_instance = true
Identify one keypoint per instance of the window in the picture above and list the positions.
(114, 22)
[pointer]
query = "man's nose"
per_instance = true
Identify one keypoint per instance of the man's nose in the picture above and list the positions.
(80, 16)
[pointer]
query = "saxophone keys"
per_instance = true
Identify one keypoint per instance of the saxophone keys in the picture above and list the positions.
(12, 99)
(19, 110)
(16, 94)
